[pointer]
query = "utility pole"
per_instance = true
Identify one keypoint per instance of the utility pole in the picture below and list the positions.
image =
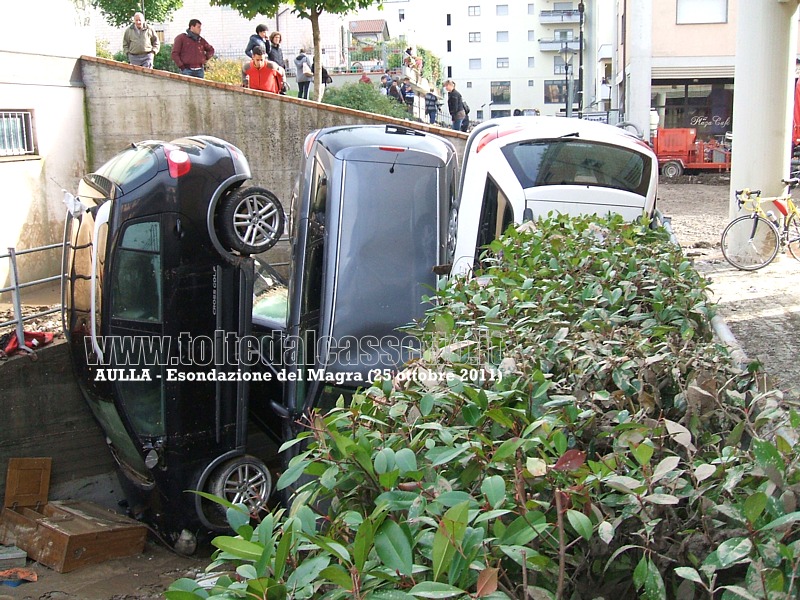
(580, 59)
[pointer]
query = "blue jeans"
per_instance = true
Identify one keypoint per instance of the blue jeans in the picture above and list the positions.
(457, 124)
(432, 117)
(199, 73)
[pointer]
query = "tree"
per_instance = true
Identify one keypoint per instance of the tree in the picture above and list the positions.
(305, 9)
(120, 12)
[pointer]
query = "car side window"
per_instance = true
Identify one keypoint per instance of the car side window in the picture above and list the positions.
(496, 216)
(136, 274)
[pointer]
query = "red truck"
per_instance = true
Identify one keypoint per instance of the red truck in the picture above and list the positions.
(679, 150)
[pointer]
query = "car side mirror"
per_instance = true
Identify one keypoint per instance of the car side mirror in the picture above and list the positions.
(527, 215)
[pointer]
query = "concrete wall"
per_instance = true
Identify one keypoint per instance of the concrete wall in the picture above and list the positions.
(127, 104)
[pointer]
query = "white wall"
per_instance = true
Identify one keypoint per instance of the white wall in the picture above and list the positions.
(39, 72)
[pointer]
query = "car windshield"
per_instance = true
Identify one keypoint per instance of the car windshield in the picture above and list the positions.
(131, 168)
(578, 162)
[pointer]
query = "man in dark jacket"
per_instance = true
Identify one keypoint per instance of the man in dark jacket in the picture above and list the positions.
(191, 52)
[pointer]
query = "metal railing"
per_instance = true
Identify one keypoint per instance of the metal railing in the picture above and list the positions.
(15, 288)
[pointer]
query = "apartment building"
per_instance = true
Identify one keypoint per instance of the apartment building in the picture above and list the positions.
(506, 56)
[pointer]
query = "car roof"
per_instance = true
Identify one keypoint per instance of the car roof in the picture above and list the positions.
(340, 141)
(514, 129)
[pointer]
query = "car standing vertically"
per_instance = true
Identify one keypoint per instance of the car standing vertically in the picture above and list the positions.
(158, 253)
(157, 274)
(524, 167)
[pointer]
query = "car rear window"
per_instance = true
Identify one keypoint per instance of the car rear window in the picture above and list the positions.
(578, 162)
(131, 168)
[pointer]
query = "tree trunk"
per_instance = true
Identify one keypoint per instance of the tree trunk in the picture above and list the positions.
(317, 54)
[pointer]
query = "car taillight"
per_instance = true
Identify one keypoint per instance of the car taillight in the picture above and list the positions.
(310, 142)
(179, 163)
(493, 135)
(391, 149)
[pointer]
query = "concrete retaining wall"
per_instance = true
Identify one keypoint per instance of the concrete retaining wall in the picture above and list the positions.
(127, 104)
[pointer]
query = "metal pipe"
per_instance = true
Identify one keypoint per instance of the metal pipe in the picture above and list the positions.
(16, 301)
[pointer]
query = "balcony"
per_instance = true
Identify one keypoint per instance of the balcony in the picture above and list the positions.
(555, 45)
(559, 16)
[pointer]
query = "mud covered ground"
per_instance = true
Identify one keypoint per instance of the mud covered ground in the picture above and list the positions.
(762, 308)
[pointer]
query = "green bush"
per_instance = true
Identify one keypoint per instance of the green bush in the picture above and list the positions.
(571, 431)
(224, 71)
(364, 97)
(163, 60)
(101, 49)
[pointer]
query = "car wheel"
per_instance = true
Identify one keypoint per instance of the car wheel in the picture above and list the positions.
(251, 220)
(672, 169)
(243, 480)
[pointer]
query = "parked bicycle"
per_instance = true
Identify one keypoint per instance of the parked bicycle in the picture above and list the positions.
(752, 241)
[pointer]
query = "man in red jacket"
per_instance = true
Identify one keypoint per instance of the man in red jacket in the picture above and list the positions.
(262, 74)
(191, 52)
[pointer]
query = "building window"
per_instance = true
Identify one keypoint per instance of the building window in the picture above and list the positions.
(502, 36)
(530, 82)
(16, 133)
(502, 10)
(401, 14)
(479, 115)
(474, 63)
(531, 62)
(469, 84)
(555, 91)
(501, 92)
(474, 36)
(562, 5)
(449, 45)
(449, 72)
(563, 35)
(501, 113)
(474, 11)
(531, 36)
(559, 66)
(502, 63)
(449, 20)
(530, 9)
(701, 11)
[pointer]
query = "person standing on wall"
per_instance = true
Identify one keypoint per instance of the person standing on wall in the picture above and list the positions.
(455, 104)
(409, 95)
(191, 51)
(262, 74)
(259, 38)
(326, 79)
(305, 75)
(140, 42)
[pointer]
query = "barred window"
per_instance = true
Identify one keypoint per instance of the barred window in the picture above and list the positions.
(16, 133)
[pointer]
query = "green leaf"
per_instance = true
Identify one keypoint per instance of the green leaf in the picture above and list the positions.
(754, 506)
(581, 523)
(337, 575)
(394, 548)
(432, 589)
(665, 467)
(282, 553)
(606, 531)
(363, 543)
(448, 538)
(238, 547)
(307, 571)
(494, 488)
(767, 455)
(689, 573)
(506, 449)
(661, 499)
(536, 467)
(643, 453)
(292, 474)
(781, 521)
(440, 455)
(738, 592)
(730, 552)
(406, 460)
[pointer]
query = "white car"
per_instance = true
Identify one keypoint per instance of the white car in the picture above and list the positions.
(517, 168)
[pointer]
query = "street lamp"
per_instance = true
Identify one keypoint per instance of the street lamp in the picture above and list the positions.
(566, 54)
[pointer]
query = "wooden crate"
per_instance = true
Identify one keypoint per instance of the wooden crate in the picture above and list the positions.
(61, 535)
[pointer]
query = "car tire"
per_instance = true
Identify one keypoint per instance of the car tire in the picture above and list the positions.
(672, 169)
(242, 480)
(251, 220)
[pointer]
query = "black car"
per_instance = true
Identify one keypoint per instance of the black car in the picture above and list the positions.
(196, 356)
(157, 274)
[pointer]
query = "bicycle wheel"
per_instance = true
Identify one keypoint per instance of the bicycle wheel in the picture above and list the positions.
(793, 236)
(750, 242)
